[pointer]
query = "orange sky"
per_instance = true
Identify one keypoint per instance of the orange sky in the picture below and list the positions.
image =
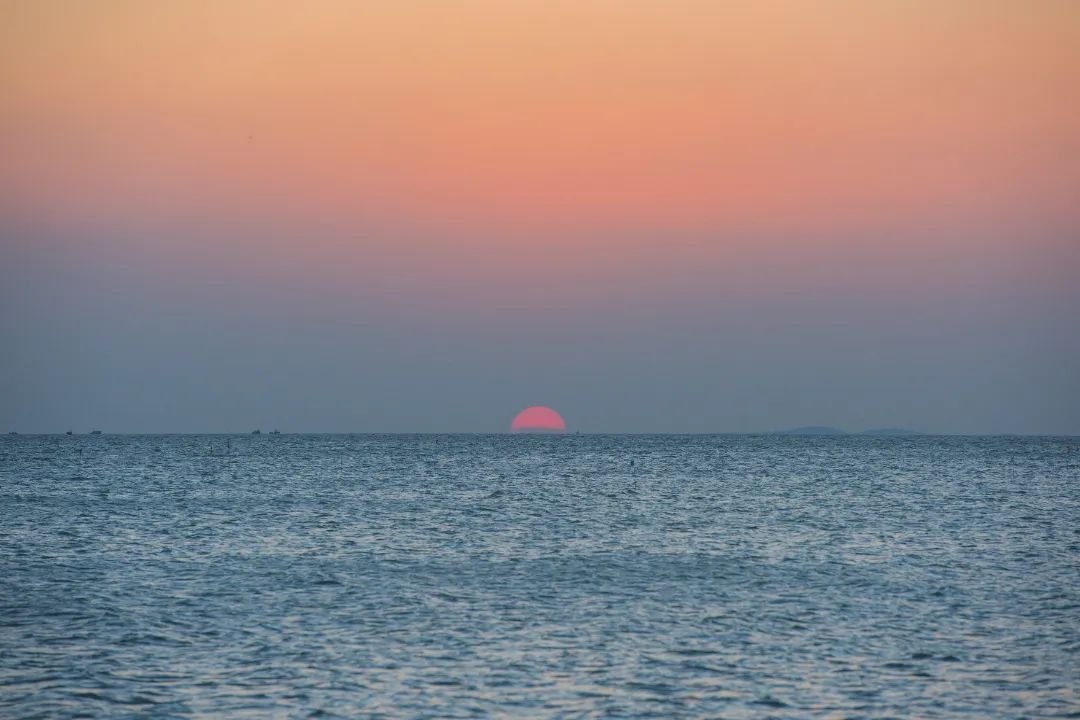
(587, 114)
(735, 201)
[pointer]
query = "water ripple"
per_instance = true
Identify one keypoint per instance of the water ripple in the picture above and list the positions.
(472, 576)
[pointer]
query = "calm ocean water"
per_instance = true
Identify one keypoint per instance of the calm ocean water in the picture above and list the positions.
(539, 576)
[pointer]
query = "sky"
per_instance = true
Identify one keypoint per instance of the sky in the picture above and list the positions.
(425, 215)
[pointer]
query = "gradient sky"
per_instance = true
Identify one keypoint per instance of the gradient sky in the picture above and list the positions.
(426, 215)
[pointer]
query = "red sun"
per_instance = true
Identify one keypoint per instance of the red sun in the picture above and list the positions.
(538, 418)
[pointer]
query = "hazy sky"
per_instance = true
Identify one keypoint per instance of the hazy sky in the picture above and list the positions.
(425, 215)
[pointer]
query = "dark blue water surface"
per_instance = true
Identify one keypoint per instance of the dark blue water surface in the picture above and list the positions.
(539, 576)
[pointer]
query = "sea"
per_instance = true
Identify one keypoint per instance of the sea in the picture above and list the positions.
(539, 576)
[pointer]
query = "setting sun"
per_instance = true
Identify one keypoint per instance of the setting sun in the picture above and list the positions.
(538, 419)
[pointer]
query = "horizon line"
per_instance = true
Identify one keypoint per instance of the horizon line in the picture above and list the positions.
(786, 433)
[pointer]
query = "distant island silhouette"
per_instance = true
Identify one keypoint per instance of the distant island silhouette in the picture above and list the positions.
(813, 430)
(827, 430)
